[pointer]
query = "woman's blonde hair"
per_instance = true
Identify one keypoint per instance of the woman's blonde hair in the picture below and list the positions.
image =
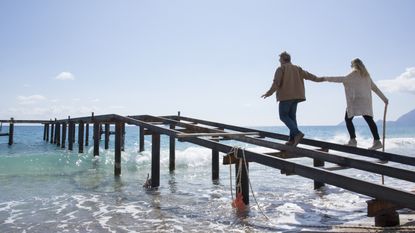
(358, 64)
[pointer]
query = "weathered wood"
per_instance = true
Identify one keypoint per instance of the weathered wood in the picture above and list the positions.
(224, 134)
(87, 134)
(172, 151)
(215, 164)
(63, 135)
(123, 137)
(384, 212)
(155, 160)
(11, 131)
(58, 135)
(332, 146)
(47, 132)
(107, 136)
(70, 133)
(52, 129)
(96, 138)
(141, 140)
(318, 163)
(243, 187)
(373, 190)
(117, 149)
(44, 132)
(81, 137)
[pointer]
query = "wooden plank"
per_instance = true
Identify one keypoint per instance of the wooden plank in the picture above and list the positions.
(332, 146)
(224, 134)
(284, 155)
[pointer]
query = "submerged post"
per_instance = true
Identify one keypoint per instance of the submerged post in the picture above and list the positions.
(44, 132)
(107, 136)
(58, 134)
(215, 164)
(244, 180)
(87, 134)
(96, 139)
(55, 138)
(11, 131)
(117, 142)
(123, 137)
(141, 141)
(63, 135)
(70, 132)
(81, 137)
(47, 132)
(155, 160)
(52, 129)
(318, 163)
(172, 157)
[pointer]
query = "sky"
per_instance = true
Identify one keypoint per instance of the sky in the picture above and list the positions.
(207, 59)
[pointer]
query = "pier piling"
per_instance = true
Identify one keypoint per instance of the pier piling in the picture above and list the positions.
(96, 139)
(63, 135)
(11, 131)
(81, 137)
(155, 160)
(117, 142)
(172, 151)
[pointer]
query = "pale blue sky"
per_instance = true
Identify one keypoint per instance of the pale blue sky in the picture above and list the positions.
(208, 59)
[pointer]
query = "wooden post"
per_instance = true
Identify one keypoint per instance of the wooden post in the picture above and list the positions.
(107, 136)
(44, 132)
(141, 141)
(70, 132)
(172, 157)
(52, 129)
(73, 132)
(81, 137)
(319, 163)
(47, 132)
(63, 135)
(58, 134)
(96, 139)
(87, 134)
(215, 164)
(117, 142)
(11, 131)
(123, 137)
(155, 160)
(244, 180)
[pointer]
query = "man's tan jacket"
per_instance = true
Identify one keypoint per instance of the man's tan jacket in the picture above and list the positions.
(289, 82)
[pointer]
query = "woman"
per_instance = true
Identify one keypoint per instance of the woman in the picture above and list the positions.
(358, 87)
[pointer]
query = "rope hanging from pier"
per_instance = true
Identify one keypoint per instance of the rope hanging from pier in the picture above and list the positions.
(238, 202)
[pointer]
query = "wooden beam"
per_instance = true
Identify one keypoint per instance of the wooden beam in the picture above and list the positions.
(224, 134)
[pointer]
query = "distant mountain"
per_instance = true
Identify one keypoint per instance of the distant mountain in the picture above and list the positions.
(408, 119)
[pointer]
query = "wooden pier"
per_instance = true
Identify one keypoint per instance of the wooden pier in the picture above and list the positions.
(385, 200)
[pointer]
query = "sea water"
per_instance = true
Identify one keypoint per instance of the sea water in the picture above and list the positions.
(44, 188)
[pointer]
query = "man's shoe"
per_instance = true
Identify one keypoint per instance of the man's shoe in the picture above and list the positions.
(352, 142)
(297, 138)
(376, 145)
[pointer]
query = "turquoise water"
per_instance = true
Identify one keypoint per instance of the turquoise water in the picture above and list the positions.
(47, 189)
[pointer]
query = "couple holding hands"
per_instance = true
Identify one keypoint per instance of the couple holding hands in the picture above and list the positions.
(289, 87)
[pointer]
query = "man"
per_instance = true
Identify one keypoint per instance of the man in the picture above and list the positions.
(289, 85)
